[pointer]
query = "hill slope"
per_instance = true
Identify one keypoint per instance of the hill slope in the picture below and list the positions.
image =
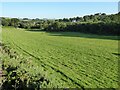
(66, 59)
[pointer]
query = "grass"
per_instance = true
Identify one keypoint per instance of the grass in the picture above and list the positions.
(67, 59)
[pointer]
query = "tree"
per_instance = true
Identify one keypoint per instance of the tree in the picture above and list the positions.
(86, 18)
(15, 22)
(5, 21)
(66, 20)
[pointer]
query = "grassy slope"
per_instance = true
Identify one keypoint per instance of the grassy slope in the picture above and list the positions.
(69, 61)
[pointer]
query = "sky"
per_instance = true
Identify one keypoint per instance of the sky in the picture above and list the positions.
(55, 10)
(59, 0)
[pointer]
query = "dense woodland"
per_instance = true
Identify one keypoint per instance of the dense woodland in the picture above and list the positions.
(99, 23)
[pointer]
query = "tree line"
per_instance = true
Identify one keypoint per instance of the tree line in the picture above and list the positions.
(99, 23)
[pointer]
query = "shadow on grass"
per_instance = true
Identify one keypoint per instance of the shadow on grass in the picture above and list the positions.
(117, 54)
(83, 35)
(35, 30)
(76, 34)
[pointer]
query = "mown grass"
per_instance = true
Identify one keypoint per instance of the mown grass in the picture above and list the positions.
(67, 59)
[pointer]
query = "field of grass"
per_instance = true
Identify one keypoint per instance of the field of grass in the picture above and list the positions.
(66, 59)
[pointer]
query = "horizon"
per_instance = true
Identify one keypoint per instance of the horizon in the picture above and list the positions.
(56, 10)
(55, 18)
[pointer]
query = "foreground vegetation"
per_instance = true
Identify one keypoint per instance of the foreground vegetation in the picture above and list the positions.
(58, 59)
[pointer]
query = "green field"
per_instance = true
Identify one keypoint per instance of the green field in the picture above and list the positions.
(66, 59)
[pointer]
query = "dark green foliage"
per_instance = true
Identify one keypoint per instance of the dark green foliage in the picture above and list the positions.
(15, 22)
(99, 23)
(56, 26)
(18, 76)
(25, 24)
(96, 28)
(5, 21)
